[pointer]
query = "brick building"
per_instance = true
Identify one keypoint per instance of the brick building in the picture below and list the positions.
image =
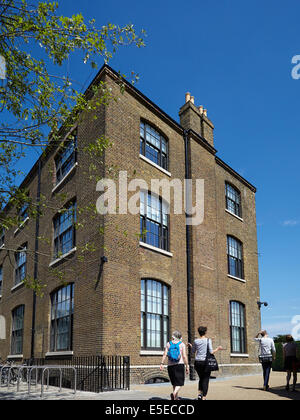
(149, 273)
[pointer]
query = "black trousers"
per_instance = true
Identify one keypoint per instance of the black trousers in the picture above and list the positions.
(203, 377)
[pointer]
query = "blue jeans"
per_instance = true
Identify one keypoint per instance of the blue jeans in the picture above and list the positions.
(267, 366)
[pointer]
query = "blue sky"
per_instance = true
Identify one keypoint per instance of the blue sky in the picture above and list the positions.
(235, 58)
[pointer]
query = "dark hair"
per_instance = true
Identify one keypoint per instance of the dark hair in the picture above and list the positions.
(289, 338)
(202, 331)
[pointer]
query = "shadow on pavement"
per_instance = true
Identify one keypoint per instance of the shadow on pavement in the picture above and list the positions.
(280, 391)
(33, 396)
(166, 399)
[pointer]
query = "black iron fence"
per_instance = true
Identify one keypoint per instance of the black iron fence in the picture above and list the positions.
(94, 373)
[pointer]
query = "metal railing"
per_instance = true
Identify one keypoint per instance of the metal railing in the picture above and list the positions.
(18, 374)
(93, 373)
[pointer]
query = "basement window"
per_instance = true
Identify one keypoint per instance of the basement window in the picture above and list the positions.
(156, 380)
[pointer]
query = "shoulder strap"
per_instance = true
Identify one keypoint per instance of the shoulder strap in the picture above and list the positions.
(207, 351)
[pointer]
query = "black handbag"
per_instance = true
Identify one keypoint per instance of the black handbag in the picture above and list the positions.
(265, 359)
(211, 364)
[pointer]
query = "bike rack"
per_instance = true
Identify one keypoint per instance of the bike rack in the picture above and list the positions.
(1, 372)
(8, 378)
(48, 368)
(44, 369)
(29, 370)
(9, 367)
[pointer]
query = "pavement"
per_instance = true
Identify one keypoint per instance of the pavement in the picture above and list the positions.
(233, 388)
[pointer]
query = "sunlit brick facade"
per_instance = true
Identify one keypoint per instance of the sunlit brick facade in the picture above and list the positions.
(128, 296)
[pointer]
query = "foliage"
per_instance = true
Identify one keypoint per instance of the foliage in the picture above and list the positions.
(278, 364)
(39, 102)
(37, 96)
(280, 339)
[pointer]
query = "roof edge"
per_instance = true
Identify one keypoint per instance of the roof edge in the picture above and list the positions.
(224, 165)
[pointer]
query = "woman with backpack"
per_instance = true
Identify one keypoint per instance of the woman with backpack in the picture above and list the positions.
(178, 365)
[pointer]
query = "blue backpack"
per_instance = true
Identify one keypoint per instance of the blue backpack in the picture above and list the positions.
(174, 352)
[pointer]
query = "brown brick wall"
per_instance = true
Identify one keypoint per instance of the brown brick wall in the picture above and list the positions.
(128, 262)
(107, 300)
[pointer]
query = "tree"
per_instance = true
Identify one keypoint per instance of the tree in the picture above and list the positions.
(37, 98)
(280, 339)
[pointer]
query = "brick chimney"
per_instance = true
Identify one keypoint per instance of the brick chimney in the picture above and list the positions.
(195, 118)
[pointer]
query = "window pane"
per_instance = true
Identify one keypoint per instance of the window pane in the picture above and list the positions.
(155, 310)
(154, 208)
(17, 330)
(153, 145)
(142, 129)
(165, 213)
(65, 160)
(238, 331)
(155, 222)
(166, 331)
(20, 261)
(152, 154)
(235, 340)
(235, 257)
(233, 200)
(142, 330)
(62, 304)
(23, 213)
(1, 280)
(152, 236)
(64, 223)
(143, 296)
(2, 236)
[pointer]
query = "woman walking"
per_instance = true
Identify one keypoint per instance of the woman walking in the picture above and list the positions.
(266, 355)
(290, 361)
(175, 351)
(202, 346)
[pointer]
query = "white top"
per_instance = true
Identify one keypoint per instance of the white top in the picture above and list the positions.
(200, 348)
(267, 346)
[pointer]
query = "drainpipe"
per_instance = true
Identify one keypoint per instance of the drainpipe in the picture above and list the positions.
(188, 256)
(36, 249)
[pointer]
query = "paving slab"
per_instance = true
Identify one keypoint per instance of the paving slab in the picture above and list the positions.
(234, 388)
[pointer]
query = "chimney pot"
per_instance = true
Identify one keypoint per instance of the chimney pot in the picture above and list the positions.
(192, 99)
(187, 97)
(195, 118)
